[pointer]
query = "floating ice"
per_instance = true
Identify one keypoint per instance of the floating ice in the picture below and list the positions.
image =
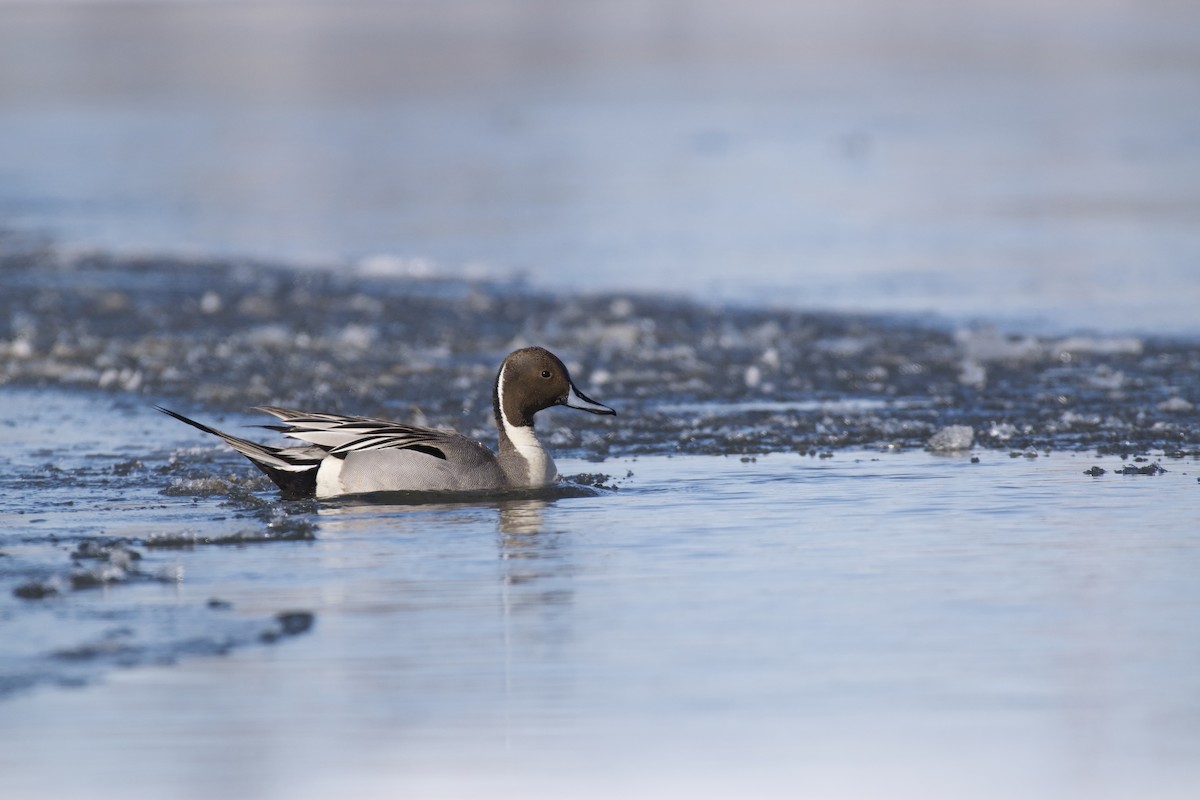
(21, 347)
(951, 438)
(972, 373)
(211, 302)
(1002, 431)
(391, 266)
(1175, 405)
(986, 345)
(1097, 345)
(379, 341)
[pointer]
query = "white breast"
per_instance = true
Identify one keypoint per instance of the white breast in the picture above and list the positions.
(542, 469)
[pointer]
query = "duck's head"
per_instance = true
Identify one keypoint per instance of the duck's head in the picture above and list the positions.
(532, 379)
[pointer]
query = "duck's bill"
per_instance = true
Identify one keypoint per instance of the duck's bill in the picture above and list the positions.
(577, 399)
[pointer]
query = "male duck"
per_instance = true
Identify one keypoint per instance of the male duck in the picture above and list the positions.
(352, 455)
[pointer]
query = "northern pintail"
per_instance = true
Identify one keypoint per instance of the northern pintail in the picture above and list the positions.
(353, 455)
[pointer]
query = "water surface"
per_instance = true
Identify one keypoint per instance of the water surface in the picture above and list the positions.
(900, 622)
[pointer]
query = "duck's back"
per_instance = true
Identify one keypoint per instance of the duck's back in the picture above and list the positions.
(456, 464)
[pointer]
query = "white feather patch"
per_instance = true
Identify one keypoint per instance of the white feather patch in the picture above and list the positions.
(329, 477)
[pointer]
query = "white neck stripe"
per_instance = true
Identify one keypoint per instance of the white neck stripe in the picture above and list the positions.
(541, 467)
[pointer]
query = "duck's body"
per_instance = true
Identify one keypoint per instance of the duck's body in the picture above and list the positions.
(354, 455)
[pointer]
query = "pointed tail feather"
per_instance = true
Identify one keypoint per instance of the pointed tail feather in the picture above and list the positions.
(293, 470)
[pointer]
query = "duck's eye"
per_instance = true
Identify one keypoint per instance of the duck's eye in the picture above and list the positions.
(545, 373)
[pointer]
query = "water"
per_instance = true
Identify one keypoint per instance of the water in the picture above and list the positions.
(1011, 627)
(760, 579)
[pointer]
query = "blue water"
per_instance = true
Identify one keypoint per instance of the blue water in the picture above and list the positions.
(870, 623)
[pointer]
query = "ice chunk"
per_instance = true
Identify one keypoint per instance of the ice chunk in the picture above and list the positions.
(1177, 404)
(986, 345)
(972, 373)
(211, 302)
(1003, 431)
(952, 437)
(383, 265)
(1099, 345)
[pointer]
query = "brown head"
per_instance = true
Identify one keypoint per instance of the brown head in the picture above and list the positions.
(531, 379)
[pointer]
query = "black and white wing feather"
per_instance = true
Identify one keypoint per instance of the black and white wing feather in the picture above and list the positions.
(340, 435)
(293, 469)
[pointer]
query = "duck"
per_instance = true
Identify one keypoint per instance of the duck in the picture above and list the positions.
(350, 455)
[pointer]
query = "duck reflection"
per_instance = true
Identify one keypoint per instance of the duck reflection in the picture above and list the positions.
(532, 563)
(520, 518)
(530, 556)
(494, 576)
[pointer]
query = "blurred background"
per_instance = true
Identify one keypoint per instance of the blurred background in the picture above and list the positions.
(1031, 163)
